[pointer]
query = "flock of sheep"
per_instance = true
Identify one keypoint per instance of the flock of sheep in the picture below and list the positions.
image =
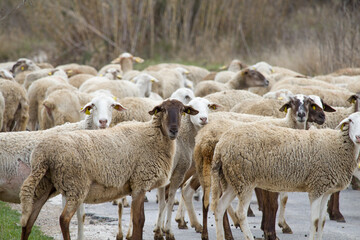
(100, 135)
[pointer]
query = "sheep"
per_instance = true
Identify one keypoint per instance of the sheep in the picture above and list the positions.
(184, 95)
(59, 107)
(144, 82)
(15, 159)
(346, 71)
(332, 97)
(243, 79)
(224, 76)
(5, 74)
(130, 166)
(106, 67)
(112, 74)
(182, 161)
(21, 68)
(36, 94)
(16, 113)
(278, 94)
(229, 98)
(169, 80)
(35, 75)
(299, 112)
(270, 165)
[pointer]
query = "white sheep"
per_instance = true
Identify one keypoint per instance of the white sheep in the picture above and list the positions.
(35, 75)
(185, 73)
(182, 161)
(16, 113)
(282, 159)
(99, 166)
(36, 95)
(242, 80)
(15, 159)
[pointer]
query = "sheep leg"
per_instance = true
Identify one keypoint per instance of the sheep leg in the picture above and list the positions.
(282, 222)
(270, 206)
(322, 218)
(259, 197)
(130, 229)
(227, 230)
(137, 205)
(225, 200)
(315, 206)
(80, 214)
(180, 213)
(333, 208)
(119, 235)
(37, 205)
(189, 191)
(68, 212)
(160, 220)
(244, 202)
(169, 207)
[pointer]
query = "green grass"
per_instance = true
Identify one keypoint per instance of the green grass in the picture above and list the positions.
(10, 228)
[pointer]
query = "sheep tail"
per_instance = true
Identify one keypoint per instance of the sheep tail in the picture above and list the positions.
(28, 188)
(216, 181)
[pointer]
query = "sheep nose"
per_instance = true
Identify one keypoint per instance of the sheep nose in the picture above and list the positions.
(173, 131)
(301, 114)
(103, 122)
(203, 119)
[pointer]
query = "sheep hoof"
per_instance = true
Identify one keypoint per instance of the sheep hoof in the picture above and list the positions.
(158, 234)
(128, 237)
(336, 217)
(169, 236)
(270, 236)
(204, 236)
(198, 228)
(285, 228)
(114, 202)
(119, 236)
(146, 199)
(181, 223)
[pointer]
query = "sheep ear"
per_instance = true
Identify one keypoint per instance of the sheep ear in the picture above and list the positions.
(116, 60)
(214, 106)
(118, 106)
(328, 108)
(343, 124)
(86, 109)
(352, 99)
(118, 76)
(154, 80)
(155, 110)
(284, 108)
(190, 110)
(138, 59)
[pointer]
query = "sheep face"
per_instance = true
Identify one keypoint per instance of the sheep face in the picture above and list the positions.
(317, 109)
(101, 109)
(113, 74)
(203, 106)
(355, 99)
(254, 78)
(169, 113)
(352, 124)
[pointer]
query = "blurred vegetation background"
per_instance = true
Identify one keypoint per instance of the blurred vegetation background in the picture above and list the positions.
(312, 37)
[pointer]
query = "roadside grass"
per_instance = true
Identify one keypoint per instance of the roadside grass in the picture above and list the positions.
(10, 228)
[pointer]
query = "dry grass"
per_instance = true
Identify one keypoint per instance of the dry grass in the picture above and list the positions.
(312, 37)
